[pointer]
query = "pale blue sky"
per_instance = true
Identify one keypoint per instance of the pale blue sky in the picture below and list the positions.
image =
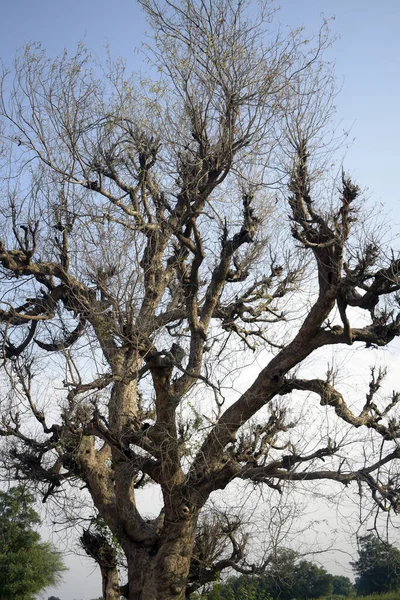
(367, 55)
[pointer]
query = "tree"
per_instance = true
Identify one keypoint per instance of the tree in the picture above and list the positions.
(245, 587)
(311, 581)
(27, 565)
(342, 586)
(301, 580)
(377, 568)
(279, 579)
(142, 250)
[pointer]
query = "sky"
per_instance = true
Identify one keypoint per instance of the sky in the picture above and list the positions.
(367, 57)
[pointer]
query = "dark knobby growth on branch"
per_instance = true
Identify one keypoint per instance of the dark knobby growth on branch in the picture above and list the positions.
(145, 251)
(98, 547)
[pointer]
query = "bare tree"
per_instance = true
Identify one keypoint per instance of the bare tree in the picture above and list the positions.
(141, 251)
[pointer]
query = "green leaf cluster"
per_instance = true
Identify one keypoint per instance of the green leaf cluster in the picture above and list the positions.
(287, 578)
(27, 565)
(378, 566)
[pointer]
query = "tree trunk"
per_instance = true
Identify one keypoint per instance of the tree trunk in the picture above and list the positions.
(110, 583)
(97, 546)
(161, 573)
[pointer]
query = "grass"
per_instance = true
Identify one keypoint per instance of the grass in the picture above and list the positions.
(387, 596)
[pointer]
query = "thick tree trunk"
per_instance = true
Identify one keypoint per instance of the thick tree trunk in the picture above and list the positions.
(161, 573)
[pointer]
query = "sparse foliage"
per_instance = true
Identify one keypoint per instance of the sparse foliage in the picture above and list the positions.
(144, 248)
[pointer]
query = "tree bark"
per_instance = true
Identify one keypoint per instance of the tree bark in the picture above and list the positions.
(110, 583)
(162, 573)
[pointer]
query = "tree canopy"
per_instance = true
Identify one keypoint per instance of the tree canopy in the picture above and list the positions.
(299, 579)
(27, 565)
(158, 235)
(377, 568)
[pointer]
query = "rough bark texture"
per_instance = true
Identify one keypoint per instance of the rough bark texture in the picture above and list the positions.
(163, 574)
